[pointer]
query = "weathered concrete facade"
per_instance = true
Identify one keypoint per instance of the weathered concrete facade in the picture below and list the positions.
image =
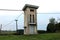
(30, 19)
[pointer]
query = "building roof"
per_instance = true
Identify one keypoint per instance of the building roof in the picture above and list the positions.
(31, 6)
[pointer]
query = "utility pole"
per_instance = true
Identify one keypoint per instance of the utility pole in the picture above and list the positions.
(0, 28)
(16, 25)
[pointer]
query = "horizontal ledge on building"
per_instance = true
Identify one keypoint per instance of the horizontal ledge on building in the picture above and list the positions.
(32, 23)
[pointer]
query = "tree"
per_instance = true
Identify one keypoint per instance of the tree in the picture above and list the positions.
(57, 27)
(52, 20)
(51, 26)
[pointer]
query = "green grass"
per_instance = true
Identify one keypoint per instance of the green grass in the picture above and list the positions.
(47, 36)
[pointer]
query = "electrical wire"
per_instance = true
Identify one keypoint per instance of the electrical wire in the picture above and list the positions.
(22, 10)
(22, 13)
(48, 13)
(13, 20)
(9, 23)
(19, 16)
(9, 10)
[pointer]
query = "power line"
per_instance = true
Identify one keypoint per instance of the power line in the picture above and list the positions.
(9, 23)
(9, 10)
(22, 10)
(48, 13)
(13, 20)
(22, 13)
(19, 16)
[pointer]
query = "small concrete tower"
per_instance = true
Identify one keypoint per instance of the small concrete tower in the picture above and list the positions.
(30, 19)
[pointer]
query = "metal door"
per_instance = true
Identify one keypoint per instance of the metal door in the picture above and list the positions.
(32, 28)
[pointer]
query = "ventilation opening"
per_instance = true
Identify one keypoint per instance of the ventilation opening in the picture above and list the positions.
(31, 10)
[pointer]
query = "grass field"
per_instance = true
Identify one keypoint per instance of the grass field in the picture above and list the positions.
(47, 36)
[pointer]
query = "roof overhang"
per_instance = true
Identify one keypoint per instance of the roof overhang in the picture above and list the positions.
(30, 6)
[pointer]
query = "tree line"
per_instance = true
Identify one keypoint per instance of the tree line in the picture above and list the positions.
(53, 25)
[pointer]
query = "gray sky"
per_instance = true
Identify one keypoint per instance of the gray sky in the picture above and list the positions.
(45, 6)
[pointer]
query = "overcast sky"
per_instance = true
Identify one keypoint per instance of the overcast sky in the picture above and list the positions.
(45, 6)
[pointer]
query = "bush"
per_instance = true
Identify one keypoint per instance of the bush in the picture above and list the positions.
(51, 27)
(41, 31)
(20, 32)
